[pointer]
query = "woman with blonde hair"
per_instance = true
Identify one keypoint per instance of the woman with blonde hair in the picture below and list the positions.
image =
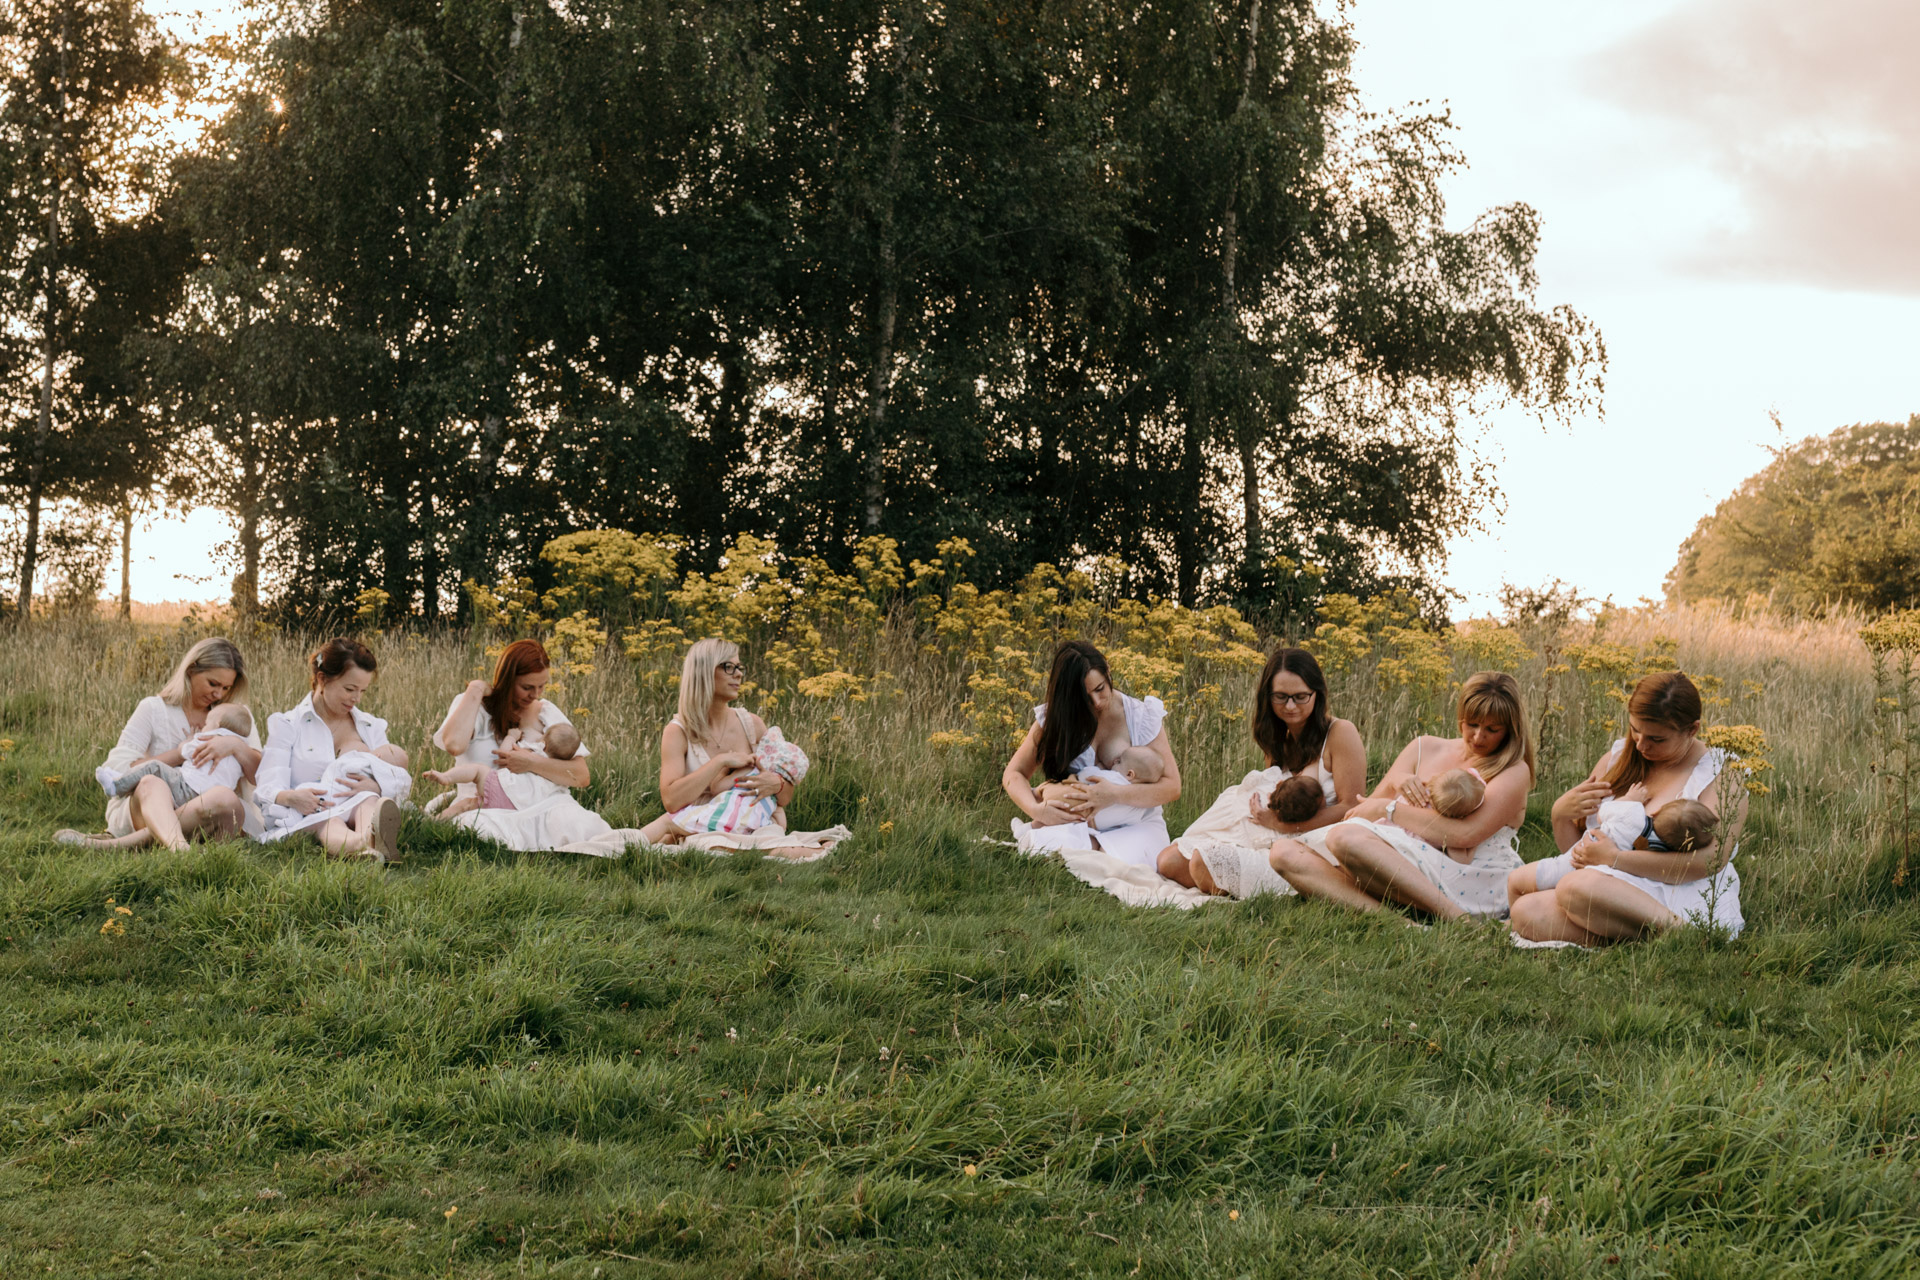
(707, 748)
(212, 674)
(1393, 847)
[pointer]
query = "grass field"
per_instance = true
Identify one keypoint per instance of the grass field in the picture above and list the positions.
(928, 1056)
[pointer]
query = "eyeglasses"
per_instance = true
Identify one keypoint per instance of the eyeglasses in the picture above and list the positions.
(732, 668)
(1292, 699)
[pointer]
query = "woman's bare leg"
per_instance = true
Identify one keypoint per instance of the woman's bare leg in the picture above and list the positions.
(352, 835)
(1202, 876)
(1173, 865)
(1379, 870)
(1537, 917)
(1610, 908)
(151, 807)
(1312, 876)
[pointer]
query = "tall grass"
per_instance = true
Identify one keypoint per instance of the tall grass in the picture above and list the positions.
(927, 1055)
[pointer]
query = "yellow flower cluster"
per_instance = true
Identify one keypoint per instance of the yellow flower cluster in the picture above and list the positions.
(1746, 749)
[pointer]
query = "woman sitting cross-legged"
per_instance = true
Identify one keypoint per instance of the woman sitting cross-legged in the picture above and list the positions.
(725, 777)
(328, 768)
(1401, 844)
(1607, 885)
(174, 772)
(1097, 748)
(1227, 849)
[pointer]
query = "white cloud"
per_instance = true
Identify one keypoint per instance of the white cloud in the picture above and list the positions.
(1809, 112)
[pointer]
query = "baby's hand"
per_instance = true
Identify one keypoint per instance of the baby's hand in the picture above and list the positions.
(1637, 793)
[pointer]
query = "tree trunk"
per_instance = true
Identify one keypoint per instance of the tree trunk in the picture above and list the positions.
(1255, 554)
(246, 587)
(126, 560)
(50, 279)
(886, 307)
(1192, 462)
(429, 559)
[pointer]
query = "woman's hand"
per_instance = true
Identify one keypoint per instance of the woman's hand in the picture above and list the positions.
(1414, 792)
(1261, 816)
(762, 783)
(1068, 797)
(1101, 792)
(209, 749)
(1053, 815)
(1596, 849)
(734, 761)
(516, 759)
(1369, 810)
(302, 800)
(1578, 803)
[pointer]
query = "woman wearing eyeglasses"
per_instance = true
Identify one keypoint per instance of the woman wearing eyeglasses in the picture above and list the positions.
(1226, 851)
(707, 748)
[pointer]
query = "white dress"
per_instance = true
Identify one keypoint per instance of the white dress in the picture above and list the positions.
(1138, 842)
(1235, 848)
(298, 752)
(155, 728)
(1713, 899)
(550, 822)
(1477, 886)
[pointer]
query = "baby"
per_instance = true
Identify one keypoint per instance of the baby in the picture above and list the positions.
(560, 742)
(1457, 792)
(1298, 799)
(1135, 765)
(735, 811)
(1681, 826)
(189, 780)
(386, 766)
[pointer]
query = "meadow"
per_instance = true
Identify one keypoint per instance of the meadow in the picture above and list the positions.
(928, 1055)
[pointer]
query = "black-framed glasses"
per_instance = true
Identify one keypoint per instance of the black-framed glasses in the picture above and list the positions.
(732, 668)
(1292, 699)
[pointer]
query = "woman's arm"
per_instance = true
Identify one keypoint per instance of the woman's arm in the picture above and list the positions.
(1347, 762)
(1505, 805)
(1668, 868)
(1016, 781)
(274, 789)
(568, 773)
(1145, 795)
(1571, 810)
(680, 786)
(455, 733)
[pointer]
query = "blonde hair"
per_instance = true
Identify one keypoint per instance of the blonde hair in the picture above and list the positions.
(1457, 793)
(561, 741)
(215, 653)
(1494, 695)
(696, 687)
(1145, 763)
(232, 717)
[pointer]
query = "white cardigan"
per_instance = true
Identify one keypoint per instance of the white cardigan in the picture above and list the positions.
(299, 749)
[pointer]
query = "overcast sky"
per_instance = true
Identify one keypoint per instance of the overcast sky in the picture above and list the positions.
(1728, 189)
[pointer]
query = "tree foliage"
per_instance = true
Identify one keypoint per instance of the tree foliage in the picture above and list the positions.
(1834, 519)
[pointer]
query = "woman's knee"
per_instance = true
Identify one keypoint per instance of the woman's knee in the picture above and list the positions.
(1172, 865)
(1533, 914)
(223, 808)
(1290, 859)
(1199, 876)
(1519, 883)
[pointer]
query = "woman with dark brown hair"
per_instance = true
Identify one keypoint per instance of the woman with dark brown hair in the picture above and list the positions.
(353, 817)
(1394, 846)
(1086, 724)
(476, 729)
(1226, 850)
(1614, 893)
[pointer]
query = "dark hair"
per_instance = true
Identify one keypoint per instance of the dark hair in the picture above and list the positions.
(1270, 733)
(1667, 698)
(1070, 723)
(1297, 799)
(521, 658)
(331, 660)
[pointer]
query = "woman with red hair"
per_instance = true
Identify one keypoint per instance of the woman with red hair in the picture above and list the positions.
(474, 731)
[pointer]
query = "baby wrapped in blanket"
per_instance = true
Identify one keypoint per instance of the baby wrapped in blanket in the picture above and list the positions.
(737, 810)
(385, 766)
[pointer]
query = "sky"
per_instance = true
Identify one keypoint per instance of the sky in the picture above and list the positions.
(1727, 189)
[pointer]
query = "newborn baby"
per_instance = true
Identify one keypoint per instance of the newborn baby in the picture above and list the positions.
(1297, 799)
(735, 811)
(560, 742)
(386, 766)
(1681, 826)
(188, 780)
(1457, 792)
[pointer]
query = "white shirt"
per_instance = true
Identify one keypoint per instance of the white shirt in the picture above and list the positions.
(299, 749)
(224, 772)
(155, 728)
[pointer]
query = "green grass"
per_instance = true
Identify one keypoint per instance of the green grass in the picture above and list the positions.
(285, 1067)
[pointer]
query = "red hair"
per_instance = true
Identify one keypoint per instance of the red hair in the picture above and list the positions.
(521, 658)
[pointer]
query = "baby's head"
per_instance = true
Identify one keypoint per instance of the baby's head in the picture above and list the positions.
(1685, 826)
(1297, 799)
(232, 717)
(1457, 793)
(561, 741)
(1140, 764)
(392, 755)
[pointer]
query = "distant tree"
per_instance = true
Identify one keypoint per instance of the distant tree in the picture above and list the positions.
(82, 262)
(1834, 519)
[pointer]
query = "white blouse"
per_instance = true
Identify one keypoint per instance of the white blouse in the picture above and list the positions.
(299, 749)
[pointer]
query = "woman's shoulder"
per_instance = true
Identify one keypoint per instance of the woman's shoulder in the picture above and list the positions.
(1144, 717)
(1344, 732)
(551, 714)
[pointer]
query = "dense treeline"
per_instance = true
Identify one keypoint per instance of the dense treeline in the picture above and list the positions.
(443, 281)
(1833, 520)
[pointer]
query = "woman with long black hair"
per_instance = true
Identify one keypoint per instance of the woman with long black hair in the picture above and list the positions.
(1085, 725)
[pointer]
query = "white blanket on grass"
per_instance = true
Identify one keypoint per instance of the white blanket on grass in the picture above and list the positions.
(617, 840)
(1135, 885)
